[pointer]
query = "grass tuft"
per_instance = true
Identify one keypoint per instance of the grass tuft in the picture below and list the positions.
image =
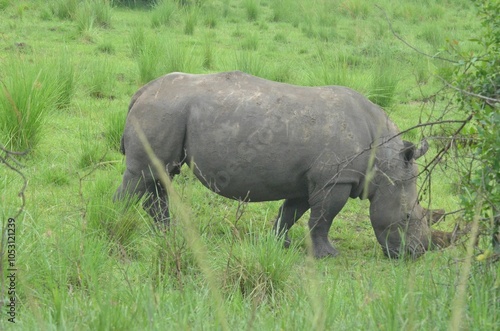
(114, 129)
(250, 42)
(259, 268)
(384, 83)
(251, 63)
(102, 80)
(163, 13)
(149, 57)
(110, 221)
(92, 151)
(252, 9)
(64, 9)
(190, 20)
(29, 94)
(106, 48)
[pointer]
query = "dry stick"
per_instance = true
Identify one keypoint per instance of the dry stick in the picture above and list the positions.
(239, 213)
(193, 237)
(5, 160)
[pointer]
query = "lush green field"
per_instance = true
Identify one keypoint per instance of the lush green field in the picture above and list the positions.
(68, 69)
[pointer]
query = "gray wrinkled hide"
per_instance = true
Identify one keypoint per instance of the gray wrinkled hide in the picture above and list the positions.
(253, 139)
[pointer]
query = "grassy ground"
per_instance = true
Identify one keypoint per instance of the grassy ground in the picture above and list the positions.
(84, 263)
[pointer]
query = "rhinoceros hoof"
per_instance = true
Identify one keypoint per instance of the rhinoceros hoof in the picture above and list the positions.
(287, 242)
(324, 249)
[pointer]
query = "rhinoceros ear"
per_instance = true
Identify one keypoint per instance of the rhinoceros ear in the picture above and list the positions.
(408, 151)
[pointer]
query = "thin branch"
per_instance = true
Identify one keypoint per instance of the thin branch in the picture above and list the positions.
(445, 149)
(8, 159)
(485, 98)
(407, 43)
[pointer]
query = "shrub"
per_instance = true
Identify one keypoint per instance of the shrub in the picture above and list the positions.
(478, 77)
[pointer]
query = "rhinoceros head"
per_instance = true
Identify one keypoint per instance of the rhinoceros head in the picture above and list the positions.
(400, 223)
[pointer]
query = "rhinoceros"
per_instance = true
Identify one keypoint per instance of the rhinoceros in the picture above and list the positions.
(252, 139)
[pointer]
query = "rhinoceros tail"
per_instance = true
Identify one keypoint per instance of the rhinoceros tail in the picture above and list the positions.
(122, 145)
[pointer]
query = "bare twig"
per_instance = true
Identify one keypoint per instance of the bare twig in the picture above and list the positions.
(13, 164)
(445, 149)
(7, 158)
(80, 183)
(493, 101)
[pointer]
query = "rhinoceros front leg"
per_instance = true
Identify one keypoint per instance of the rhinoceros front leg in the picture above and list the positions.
(327, 204)
(290, 212)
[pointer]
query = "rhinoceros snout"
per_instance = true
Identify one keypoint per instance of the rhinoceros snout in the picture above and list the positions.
(440, 239)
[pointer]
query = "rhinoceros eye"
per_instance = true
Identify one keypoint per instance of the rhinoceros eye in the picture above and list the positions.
(408, 216)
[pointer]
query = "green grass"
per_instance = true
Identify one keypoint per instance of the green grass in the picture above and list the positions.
(68, 71)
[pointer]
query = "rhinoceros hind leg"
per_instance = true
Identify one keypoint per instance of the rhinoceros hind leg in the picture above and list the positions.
(290, 212)
(156, 204)
(134, 187)
(327, 205)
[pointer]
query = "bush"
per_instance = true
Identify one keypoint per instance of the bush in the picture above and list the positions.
(479, 81)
